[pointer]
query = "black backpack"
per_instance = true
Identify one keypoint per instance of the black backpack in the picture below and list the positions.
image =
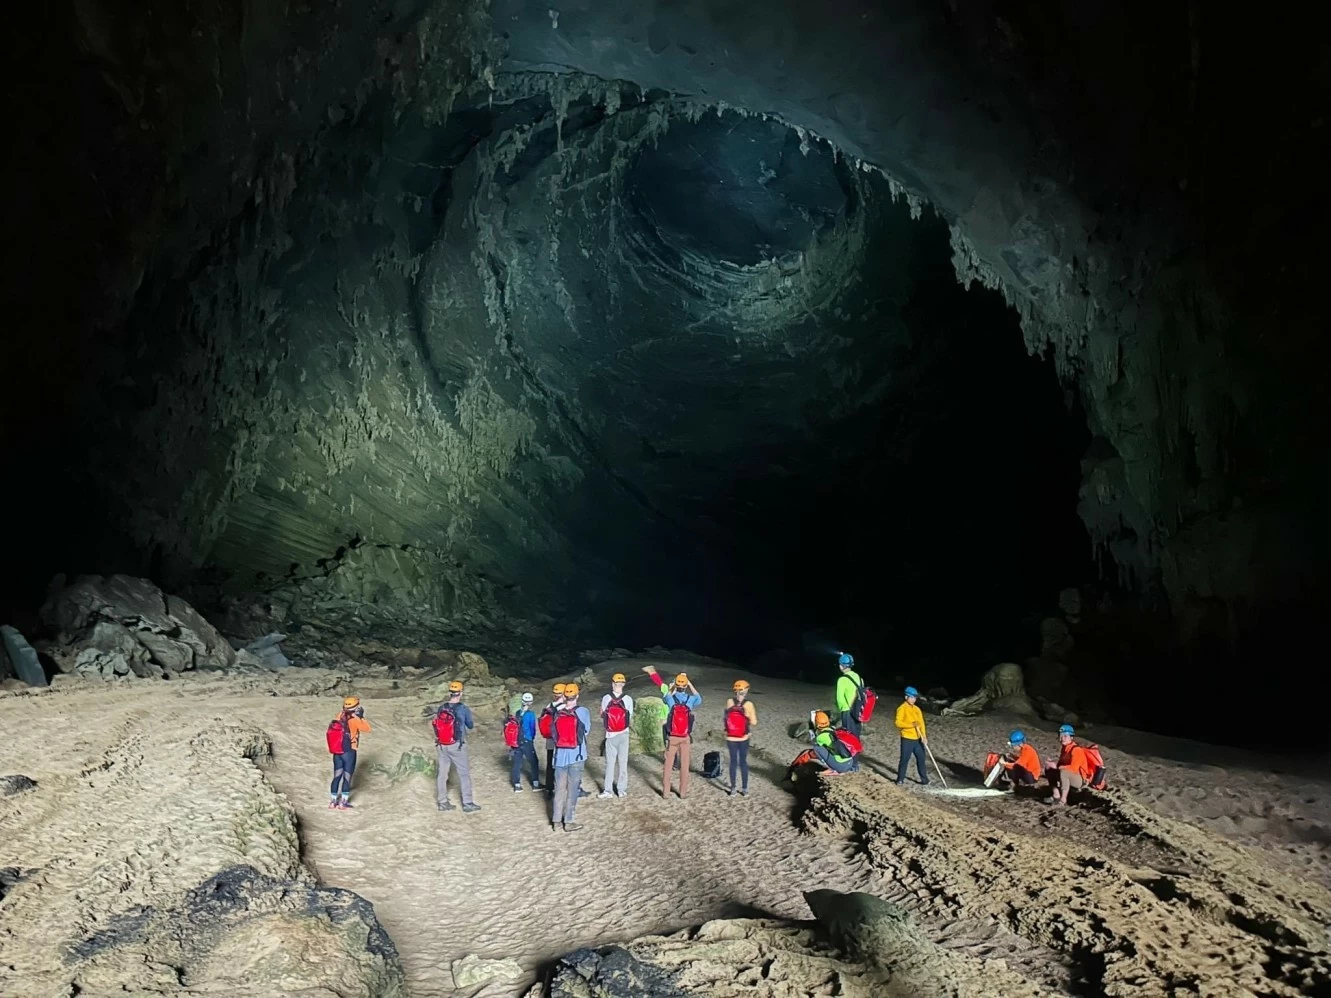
(711, 766)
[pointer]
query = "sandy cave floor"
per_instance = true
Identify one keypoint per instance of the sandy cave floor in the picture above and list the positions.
(119, 815)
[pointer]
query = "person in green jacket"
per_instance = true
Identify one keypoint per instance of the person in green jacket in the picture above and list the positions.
(848, 687)
(827, 749)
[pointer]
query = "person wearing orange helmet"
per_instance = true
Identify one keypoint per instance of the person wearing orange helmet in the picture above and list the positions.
(740, 718)
(617, 716)
(570, 726)
(351, 724)
(681, 700)
(452, 721)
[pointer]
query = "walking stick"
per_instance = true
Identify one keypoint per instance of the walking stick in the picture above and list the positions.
(937, 767)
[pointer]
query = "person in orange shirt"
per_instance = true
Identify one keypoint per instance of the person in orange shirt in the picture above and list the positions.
(344, 763)
(1073, 770)
(1021, 763)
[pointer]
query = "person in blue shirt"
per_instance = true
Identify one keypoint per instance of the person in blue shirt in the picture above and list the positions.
(676, 745)
(570, 727)
(526, 750)
(453, 755)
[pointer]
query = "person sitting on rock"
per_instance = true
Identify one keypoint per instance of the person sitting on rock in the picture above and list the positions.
(1073, 769)
(740, 718)
(344, 763)
(452, 721)
(525, 752)
(848, 686)
(570, 726)
(1021, 763)
(681, 700)
(910, 725)
(827, 749)
(617, 716)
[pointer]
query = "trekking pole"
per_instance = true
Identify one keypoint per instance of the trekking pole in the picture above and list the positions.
(938, 768)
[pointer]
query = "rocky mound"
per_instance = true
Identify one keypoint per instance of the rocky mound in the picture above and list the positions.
(170, 865)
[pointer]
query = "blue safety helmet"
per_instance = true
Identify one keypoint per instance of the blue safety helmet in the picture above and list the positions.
(1017, 737)
(911, 691)
(1065, 729)
(846, 660)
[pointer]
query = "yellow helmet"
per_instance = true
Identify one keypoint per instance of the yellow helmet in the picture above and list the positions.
(821, 720)
(682, 679)
(350, 702)
(741, 685)
(618, 677)
(455, 686)
(570, 689)
(558, 689)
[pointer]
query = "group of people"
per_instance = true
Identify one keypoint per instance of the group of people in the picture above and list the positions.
(564, 724)
(1077, 765)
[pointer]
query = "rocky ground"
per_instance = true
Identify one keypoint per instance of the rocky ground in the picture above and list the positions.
(168, 837)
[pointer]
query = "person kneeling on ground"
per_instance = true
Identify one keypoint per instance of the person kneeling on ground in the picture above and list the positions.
(910, 725)
(451, 723)
(1021, 763)
(1073, 770)
(828, 748)
(741, 717)
(570, 727)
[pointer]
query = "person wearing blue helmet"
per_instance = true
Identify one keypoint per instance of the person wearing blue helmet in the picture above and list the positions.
(1021, 762)
(910, 725)
(1073, 770)
(848, 687)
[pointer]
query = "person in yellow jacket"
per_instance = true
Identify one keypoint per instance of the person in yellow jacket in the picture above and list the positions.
(910, 725)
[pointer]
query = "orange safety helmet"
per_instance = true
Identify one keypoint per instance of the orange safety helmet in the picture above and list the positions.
(682, 680)
(454, 687)
(570, 690)
(821, 720)
(741, 686)
(618, 677)
(350, 703)
(558, 689)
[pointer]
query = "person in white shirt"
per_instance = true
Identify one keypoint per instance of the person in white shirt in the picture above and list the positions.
(617, 716)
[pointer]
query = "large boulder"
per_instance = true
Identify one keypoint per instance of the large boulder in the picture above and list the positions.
(119, 626)
(21, 656)
(649, 715)
(1002, 688)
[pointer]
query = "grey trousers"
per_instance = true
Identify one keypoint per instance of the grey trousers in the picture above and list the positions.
(567, 781)
(453, 757)
(617, 761)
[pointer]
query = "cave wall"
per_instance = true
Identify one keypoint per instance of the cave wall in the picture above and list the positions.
(294, 359)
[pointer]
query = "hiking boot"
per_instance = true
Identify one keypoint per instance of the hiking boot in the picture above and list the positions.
(446, 806)
(470, 808)
(345, 804)
(622, 793)
(744, 792)
(605, 795)
(583, 793)
(730, 792)
(572, 826)
(517, 788)
(332, 805)
(537, 786)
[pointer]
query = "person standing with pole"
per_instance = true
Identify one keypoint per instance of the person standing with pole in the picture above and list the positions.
(910, 725)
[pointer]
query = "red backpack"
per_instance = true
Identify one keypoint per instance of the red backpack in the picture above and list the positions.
(616, 716)
(850, 744)
(568, 729)
(865, 701)
(339, 736)
(1097, 760)
(447, 728)
(543, 722)
(737, 721)
(511, 730)
(679, 721)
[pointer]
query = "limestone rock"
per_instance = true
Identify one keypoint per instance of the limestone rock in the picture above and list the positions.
(472, 970)
(118, 625)
(268, 651)
(1002, 688)
(17, 784)
(22, 657)
(1069, 602)
(1055, 639)
(610, 973)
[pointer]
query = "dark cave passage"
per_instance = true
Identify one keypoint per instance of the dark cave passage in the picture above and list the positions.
(529, 329)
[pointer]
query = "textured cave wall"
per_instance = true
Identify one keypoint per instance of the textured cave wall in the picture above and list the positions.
(293, 359)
